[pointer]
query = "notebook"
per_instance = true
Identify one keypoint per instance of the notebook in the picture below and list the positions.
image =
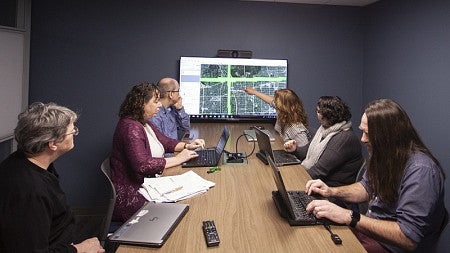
(209, 157)
(280, 156)
(250, 134)
(292, 204)
(151, 225)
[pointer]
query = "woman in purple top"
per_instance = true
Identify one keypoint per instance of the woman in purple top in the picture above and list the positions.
(138, 149)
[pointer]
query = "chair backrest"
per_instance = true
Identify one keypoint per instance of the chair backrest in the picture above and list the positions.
(441, 243)
(363, 206)
(361, 171)
(106, 169)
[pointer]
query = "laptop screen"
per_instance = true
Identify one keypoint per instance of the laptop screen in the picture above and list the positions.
(263, 142)
(280, 185)
(223, 140)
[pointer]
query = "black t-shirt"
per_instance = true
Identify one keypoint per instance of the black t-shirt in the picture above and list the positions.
(34, 216)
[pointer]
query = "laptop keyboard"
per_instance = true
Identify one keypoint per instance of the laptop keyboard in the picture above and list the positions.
(300, 200)
(205, 157)
(282, 157)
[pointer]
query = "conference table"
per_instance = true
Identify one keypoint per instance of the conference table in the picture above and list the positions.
(241, 205)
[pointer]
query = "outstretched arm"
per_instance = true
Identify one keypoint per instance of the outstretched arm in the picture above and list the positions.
(264, 97)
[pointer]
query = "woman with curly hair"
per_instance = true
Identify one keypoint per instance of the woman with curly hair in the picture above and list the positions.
(139, 147)
(292, 120)
(334, 154)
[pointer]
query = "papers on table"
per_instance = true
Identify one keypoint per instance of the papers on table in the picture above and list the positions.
(174, 188)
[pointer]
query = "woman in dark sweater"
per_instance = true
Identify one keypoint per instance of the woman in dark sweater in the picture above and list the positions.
(139, 147)
(334, 154)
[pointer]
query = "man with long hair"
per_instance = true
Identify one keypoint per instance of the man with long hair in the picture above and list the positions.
(404, 184)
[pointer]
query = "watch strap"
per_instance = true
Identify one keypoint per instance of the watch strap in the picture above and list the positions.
(356, 216)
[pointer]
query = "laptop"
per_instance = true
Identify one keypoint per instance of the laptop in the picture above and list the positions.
(250, 134)
(151, 225)
(281, 157)
(292, 204)
(209, 157)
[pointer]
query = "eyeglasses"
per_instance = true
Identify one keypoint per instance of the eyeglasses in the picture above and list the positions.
(174, 91)
(75, 131)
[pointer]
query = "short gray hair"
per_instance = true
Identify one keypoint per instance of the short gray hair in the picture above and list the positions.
(40, 124)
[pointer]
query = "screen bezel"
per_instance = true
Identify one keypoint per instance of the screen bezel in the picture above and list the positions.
(232, 61)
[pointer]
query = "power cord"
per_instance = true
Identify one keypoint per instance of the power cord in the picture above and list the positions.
(236, 153)
(336, 239)
(237, 141)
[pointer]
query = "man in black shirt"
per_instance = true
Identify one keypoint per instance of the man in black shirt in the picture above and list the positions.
(33, 210)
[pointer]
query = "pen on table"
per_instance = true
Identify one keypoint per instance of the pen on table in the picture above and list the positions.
(173, 190)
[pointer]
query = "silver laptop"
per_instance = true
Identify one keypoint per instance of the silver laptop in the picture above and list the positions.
(151, 225)
(280, 157)
(250, 134)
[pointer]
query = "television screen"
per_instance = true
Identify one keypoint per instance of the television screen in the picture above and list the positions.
(213, 88)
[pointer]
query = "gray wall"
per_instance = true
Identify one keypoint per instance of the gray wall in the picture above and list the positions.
(407, 58)
(87, 54)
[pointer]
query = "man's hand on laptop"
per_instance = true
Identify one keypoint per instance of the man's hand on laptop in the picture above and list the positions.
(319, 187)
(328, 210)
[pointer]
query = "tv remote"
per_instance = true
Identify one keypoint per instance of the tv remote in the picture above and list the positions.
(210, 232)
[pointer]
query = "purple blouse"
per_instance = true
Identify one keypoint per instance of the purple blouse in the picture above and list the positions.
(131, 160)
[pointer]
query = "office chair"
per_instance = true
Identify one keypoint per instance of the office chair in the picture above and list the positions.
(443, 229)
(109, 225)
(361, 207)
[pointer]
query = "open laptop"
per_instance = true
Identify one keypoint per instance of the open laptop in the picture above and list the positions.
(151, 225)
(250, 134)
(292, 204)
(281, 157)
(209, 157)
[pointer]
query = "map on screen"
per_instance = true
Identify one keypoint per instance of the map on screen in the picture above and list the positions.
(213, 88)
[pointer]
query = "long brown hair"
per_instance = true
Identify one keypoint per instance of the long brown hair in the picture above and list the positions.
(392, 139)
(290, 109)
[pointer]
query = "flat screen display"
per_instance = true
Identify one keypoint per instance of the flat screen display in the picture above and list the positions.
(213, 88)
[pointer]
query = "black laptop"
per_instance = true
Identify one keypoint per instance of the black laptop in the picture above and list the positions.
(209, 157)
(292, 204)
(281, 157)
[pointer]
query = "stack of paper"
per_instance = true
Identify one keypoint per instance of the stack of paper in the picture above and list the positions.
(174, 188)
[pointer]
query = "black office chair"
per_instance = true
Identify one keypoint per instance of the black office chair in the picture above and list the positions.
(443, 229)
(361, 207)
(109, 226)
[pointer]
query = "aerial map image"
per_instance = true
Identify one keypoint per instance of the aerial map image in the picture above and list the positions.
(222, 86)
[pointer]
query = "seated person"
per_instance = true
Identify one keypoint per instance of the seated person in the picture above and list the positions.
(404, 184)
(334, 154)
(171, 119)
(292, 121)
(138, 149)
(34, 216)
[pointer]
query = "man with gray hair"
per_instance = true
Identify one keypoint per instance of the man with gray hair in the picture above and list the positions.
(171, 118)
(33, 210)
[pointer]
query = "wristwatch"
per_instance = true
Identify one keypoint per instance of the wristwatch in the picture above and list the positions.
(355, 218)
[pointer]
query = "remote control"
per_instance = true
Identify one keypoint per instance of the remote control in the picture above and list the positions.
(210, 232)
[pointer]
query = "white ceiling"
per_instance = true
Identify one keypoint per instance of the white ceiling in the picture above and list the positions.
(329, 2)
